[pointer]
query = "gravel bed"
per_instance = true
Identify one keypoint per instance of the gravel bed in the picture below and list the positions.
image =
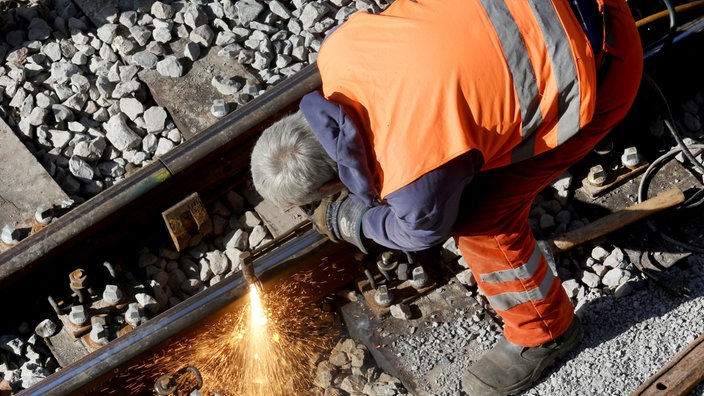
(628, 339)
(71, 92)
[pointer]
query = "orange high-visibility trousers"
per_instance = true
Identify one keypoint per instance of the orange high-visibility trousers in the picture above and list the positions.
(493, 233)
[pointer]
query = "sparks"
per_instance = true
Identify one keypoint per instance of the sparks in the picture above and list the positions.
(264, 346)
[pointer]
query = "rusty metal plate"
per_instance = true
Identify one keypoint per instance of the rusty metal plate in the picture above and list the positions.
(187, 222)
(616, 178)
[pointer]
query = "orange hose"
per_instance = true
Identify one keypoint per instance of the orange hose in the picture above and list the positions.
(663, 14)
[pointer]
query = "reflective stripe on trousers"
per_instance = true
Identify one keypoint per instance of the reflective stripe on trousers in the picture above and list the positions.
(507, 300)
(493, 232)
(514, 276)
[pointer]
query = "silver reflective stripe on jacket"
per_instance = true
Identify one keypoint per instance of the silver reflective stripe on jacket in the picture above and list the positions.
(508, 300)
(523, 75)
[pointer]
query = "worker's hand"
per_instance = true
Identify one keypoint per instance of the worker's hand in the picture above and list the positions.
(319, 217)
(340, 218)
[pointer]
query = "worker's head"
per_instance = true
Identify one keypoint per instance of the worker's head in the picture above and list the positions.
(289, 165)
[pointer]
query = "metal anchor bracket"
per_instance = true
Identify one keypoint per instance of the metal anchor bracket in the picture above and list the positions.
(187, 222)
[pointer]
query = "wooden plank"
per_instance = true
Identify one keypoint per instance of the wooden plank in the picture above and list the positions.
(24, 183)
(617, 220)
(680, 375)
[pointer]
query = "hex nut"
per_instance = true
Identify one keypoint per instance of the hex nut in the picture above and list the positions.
(630, 158)
(597, 175)
(78, 315)
(112, 294)
(77, 279)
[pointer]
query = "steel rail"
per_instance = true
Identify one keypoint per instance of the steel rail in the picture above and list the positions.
(170, 323)
(92, 215)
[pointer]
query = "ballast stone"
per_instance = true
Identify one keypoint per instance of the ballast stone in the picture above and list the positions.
(120, 134)
(145, 59)
(80, 169)
(248, 10)
(170, 66)
(155, 119)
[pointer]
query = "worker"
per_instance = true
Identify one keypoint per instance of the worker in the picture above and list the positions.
(444, 118)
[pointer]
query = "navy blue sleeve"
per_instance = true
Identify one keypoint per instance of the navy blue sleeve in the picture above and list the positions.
(422, 213)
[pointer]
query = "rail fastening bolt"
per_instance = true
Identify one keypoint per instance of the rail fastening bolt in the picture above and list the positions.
(402, 271)
(46, 328)
(383, 296)
(99, 334)
(44, 214)
(630, 158)
(10, 235)
(77, 279)
(219, 108)
(112, 294)
(386, 263)
(78, 315)
(420, 278)
(132, 315)
(597, 175)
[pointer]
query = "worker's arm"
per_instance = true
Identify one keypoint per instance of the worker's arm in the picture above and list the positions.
(416, 216)
(422, 214)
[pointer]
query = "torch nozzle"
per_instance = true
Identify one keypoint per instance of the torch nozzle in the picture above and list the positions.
(247, 265)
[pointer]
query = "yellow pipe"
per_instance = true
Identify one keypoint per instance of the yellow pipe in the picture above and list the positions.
(663, 14)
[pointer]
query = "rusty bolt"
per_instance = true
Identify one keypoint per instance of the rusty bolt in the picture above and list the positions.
(383, 296)
(99, 334)
(10, 235)
(219, 108)
(630, 158)
(165, 385)
(132, 316)
(420, 278)
(597, 175)
(78, 315)
(386, 263)
(112, 294)
(77, 279)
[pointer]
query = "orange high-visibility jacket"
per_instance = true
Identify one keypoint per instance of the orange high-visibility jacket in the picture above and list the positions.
(426, 81)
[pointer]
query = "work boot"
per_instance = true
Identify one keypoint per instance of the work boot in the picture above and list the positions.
(509, 368)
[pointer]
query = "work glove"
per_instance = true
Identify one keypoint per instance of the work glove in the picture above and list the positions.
(340, 218)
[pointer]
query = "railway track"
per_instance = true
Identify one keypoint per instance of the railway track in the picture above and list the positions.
(149, 310)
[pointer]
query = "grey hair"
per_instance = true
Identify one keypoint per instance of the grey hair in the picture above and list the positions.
(289, 165)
